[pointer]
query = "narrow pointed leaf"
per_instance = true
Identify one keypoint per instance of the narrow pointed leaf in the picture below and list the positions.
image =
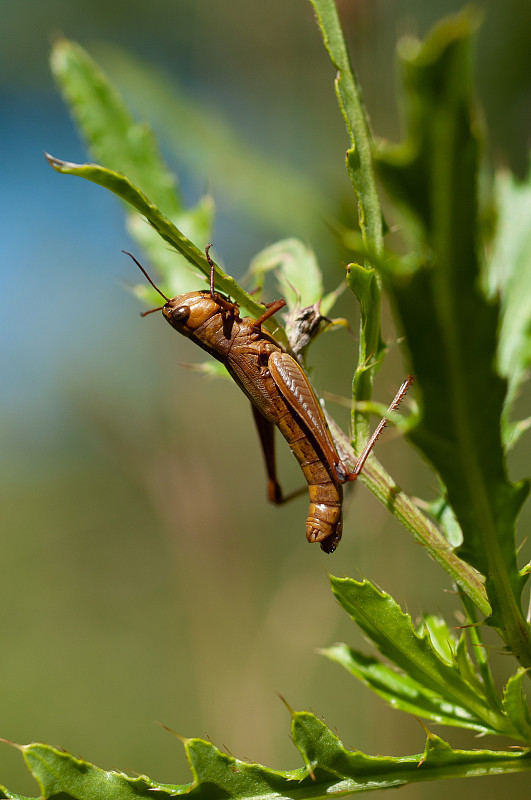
(515, 705)
(394, 634)
(466, 667)
(122, 144)
(115, 138)
(361, 171)
(121, 186)
(401, 691)
(348, 94)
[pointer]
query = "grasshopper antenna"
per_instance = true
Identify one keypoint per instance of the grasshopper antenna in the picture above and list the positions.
(141, 268)
(212, 269)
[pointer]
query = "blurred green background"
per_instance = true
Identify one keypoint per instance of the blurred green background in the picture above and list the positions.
(144, 577)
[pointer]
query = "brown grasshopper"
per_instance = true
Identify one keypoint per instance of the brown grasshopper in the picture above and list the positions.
(280, 394)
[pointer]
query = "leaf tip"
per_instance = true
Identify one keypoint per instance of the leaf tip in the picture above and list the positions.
(183, 739)
(57, 39)
(20, 747)
(290, 709)
(56, 163)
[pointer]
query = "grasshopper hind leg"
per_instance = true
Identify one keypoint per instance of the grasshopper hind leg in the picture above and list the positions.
(266, 432)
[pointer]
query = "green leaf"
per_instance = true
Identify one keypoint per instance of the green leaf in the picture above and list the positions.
(60, 774)
(114, 137)
(5, 793)
(364, 281)
(359, 157)
(509, 277)
(467, 670)
(331, 770)
(515, 704)
(440, 635)
(300, 284)
(244, 177)
(401, 691)
(124, 145)
(394, 634)
(439, 756)
(296, 270)
(361, 171)
(127, 191)
(122, 187)
(174, 269)
(210, 369)
(451, 328)
(322, 750)
(443, 514)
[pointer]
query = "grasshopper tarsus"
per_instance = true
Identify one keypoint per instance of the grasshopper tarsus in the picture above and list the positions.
(399, 396)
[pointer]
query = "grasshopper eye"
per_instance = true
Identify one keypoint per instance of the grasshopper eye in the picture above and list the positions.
(180, 314)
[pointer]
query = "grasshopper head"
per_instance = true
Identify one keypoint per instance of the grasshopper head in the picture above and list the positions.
(187, 312)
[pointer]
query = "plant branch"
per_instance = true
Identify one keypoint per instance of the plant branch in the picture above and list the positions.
(361, 171)
(426, 533)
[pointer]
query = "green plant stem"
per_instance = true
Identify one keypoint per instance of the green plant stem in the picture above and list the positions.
(380, 483)
(514, 630)
(359, 157)
(480, 651)
(361, 171)
(425, 532)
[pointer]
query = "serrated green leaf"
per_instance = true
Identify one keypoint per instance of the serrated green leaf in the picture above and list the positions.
(440, 756)
(509, 277)
(127, 191)
(515, 705)
(401, 691)
(394, 634)
(354, 771)
(450, 326)
(331, 770)
(58, 773)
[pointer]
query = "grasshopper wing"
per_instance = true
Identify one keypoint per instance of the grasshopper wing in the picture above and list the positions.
(295, 388)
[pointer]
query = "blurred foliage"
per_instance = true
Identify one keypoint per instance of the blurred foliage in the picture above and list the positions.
(93, 487)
